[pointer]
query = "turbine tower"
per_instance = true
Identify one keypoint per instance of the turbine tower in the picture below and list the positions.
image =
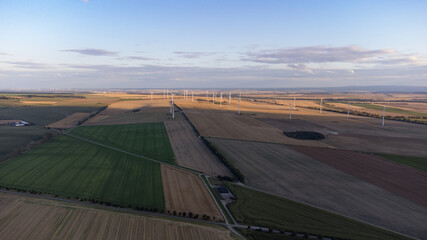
(213, 99)
(321, 100)
(294, 103)
(220, 101)
(173, 108)
(192, 96)
(240, 96)
(290, 111)
(151, 96)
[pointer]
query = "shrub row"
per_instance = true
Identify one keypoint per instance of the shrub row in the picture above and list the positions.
(224, 160)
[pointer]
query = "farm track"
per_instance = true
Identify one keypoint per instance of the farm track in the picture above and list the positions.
(277, 169)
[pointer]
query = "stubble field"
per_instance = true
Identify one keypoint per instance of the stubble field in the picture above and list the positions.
(185, 192)
(70, 121)
(32, 218)
(280, 170)
(190, 151)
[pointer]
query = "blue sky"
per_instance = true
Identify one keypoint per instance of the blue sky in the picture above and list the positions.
(219, 44)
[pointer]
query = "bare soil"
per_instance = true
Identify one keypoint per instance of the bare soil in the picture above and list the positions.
(128, 112)
(280, 170)
(403, 180)
(222, 124)
(185, 192)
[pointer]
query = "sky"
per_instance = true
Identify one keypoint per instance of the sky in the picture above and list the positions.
(211, 44)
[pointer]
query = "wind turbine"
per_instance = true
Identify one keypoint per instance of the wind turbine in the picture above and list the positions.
(220, 101)
(164, 93)
(294, 103)
(151, 96)
(240, 96)
(173, 108)
(192, 96)
(321, 100)
(213, 99)
(290, 111)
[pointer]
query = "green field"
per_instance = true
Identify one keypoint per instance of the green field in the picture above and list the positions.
(13, 139)
(147, 139)
(261, 209)
(415, 162)
(41, 115)
(69, 167)
(389, 109)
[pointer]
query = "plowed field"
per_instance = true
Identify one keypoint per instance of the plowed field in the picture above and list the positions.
(402, 180)
(278, 169)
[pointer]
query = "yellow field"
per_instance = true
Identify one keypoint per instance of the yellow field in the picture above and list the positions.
(33, 218)
(69, 121)
(185, 192)
(135, 111)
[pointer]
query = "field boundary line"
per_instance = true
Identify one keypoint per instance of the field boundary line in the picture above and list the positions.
(133, 154)
(118, 209)
(321, 208)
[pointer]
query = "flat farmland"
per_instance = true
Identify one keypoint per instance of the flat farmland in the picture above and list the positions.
(134, 111)
(73, 168)
(70, 121)
(33, 218)
(405, 181)
(261, 209)
(190, 151)
(13, 139)
(185, 192)
(243, 127)
(148, 139)
(42, 115)
(280, 170)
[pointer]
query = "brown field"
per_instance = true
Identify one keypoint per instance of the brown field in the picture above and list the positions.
(410, 106)
(128, 112)
(405, 181)
(69, 121)
(185, 192)
(225, 124)
(190, 151)
(39, 102)
(280, 170)
(356, 133)
(32, 218)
